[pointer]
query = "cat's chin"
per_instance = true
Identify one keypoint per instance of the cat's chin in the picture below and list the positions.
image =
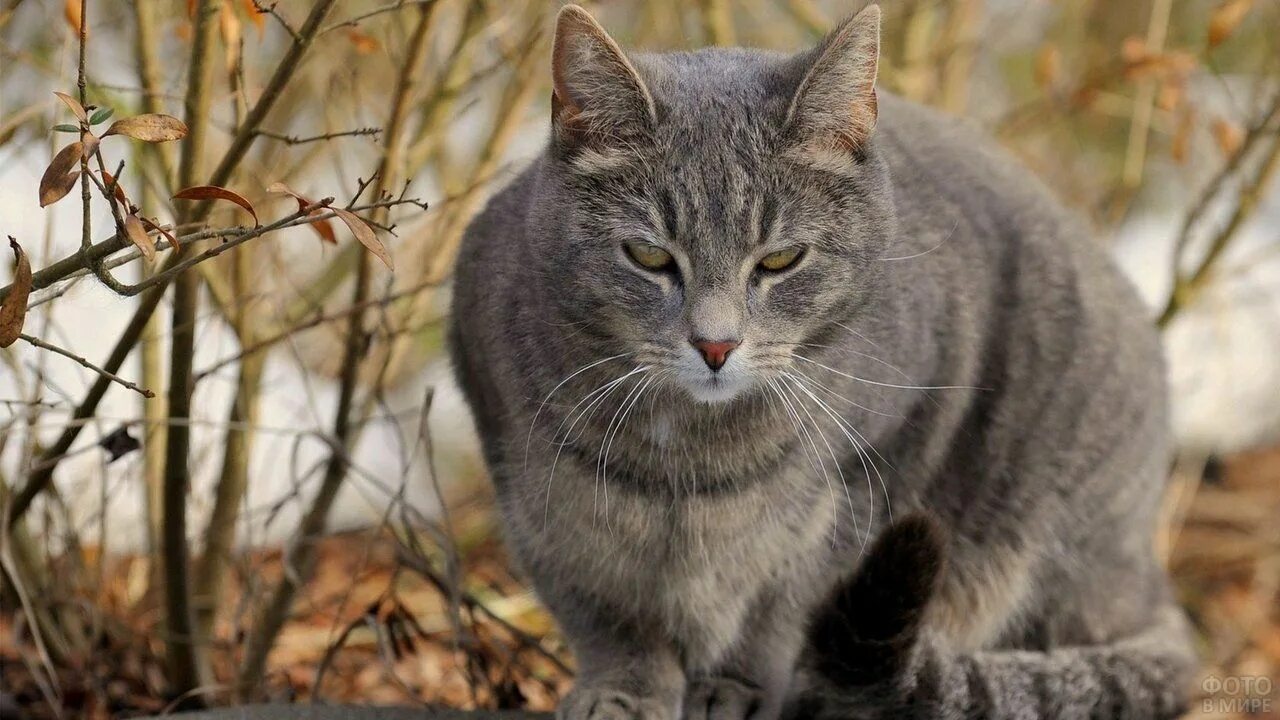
(715, 389)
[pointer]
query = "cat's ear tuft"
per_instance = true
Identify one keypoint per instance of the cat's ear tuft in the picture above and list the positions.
(597, 95)
(835, 106)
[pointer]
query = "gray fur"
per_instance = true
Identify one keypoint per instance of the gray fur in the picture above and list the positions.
(683, 526)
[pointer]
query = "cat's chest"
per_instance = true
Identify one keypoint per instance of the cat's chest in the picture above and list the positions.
(693, 565)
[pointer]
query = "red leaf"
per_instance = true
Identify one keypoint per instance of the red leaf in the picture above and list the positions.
(213, 192)
(109, 180)
(153, 225)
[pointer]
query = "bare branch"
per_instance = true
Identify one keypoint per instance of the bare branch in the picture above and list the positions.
(37, 342)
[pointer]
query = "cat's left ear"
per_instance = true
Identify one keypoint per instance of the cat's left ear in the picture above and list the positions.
(597, 96)
(835, 107)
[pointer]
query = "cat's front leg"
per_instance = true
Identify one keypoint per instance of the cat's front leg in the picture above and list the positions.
(754, 680)
(624, 671)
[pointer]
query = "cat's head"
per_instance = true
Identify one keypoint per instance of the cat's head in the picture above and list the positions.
(708, 213)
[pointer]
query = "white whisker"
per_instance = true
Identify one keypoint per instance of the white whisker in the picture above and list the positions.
(543, 404)
(889, 385)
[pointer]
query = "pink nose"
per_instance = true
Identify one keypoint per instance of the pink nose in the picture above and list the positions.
(715, 353)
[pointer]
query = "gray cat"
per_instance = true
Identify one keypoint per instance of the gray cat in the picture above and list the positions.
(790, 415)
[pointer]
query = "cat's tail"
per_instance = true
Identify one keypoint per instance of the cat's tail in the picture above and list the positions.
(875, 658)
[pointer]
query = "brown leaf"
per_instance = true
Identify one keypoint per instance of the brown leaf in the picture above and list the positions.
(1226, 18)
(213, 192)
(1048, 65)
(138, 236)
(365, 235)
(1133, 49)
(149, 127)
(76, 108)
(109, 180)
(13, 311)
(54, 188)
(363, 42)
(279, 187)
(229, 25)
(258, 19)
(1171, 95)
(1181, 148)
(72, 11)
(1228, 135)
(323, 227)
(153, 225)
(59, 178)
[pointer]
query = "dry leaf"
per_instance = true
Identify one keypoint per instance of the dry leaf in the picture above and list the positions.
(322, 227)
(229, 25)
(258, 19)
(1170, 96)
(76, 108)
(149, 127)
(1226, 18)
(1048, 65)
(138, 236)
(1182, 136)
(153, 225)
(72, 11)
(14, 308)
(279, 187)
(1228, 135)
(363, 42)
(213, 192)
(365, 235)
(59, 177)
(110, 181)
(1133, 49)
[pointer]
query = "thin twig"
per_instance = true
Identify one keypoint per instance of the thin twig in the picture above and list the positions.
(391, 7)
(295, 140)
(37, 342)
(271, 10)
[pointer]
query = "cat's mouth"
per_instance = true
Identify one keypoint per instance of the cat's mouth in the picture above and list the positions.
(714, 387)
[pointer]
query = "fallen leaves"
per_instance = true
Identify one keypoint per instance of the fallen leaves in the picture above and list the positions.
(13, 311)
(213, 192)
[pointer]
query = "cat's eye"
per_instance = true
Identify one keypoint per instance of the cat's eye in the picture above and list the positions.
(650, 256)
(781, 260)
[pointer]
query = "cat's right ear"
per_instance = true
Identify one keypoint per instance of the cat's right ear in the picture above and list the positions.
(835, 106)
(597, 96)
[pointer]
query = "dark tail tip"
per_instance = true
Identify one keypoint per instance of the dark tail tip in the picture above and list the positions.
(868, 628)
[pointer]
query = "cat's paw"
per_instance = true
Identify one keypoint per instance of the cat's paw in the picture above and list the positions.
(723, 699)
(590, 703)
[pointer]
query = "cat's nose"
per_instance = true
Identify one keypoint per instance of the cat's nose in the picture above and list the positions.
(714, 352)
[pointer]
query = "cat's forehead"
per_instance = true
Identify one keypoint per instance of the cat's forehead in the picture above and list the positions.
(730, 98)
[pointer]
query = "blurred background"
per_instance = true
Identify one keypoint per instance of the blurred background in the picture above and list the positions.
(311, 521)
